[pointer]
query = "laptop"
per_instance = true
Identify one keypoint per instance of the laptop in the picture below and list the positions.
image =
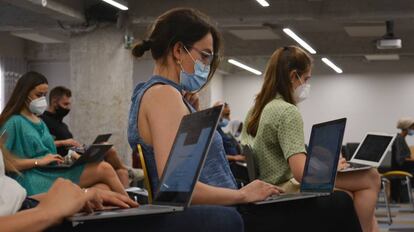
(102, 138)
(371, 152)
(94, 153)
(181, 172)
(321, 164)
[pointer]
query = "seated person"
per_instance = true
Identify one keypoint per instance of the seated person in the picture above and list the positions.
(59, 107)
(231, 145)
(401, 154)
(48, 210)
(235, 129)
(274, 129)
(33, 147)
(400, 149)
(185, 62)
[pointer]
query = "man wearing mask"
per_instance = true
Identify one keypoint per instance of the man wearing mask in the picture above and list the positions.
(59, 107)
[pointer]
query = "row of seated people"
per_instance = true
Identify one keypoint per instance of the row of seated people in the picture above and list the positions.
(186, 58)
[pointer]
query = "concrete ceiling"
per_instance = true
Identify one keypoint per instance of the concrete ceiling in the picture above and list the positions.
(341, 30)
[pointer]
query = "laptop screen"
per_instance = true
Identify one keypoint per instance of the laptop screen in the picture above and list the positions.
(373, 147)
(187, 156)
(323, 155)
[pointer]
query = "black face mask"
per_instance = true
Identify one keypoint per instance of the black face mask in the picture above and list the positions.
(61, 112)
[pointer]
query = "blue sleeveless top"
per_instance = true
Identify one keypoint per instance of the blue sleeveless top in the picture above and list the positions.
(216, 170)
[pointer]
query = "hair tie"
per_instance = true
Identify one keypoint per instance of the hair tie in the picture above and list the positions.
(146, 44)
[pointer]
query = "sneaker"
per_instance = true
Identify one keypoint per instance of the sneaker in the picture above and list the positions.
(135, 175)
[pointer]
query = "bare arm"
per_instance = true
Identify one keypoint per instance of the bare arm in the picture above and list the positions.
(297, 165)
(63, 199)
(163, 109)
(27, 220)
(24, 164)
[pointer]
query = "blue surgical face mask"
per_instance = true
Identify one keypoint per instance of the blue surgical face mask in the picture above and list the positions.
(410, 132)
(192, 82)
(224, 122)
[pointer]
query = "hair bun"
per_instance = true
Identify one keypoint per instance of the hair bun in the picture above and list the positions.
(139, 49)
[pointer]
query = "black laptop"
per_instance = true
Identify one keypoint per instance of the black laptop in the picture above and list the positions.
(94, 153)
(181, 172)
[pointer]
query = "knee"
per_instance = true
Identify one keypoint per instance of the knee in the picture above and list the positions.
(374, 179)
(105, 169)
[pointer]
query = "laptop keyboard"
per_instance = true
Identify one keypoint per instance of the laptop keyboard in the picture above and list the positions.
(287, 195)
(354, 165)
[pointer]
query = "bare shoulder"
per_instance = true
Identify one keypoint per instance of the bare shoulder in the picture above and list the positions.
(162, 98)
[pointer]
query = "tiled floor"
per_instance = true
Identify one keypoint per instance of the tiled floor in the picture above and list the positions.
(402, 216)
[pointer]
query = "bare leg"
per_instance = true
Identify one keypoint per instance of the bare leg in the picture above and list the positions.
(364, 185)
(113, 159)
(123, 177)
(102, 172)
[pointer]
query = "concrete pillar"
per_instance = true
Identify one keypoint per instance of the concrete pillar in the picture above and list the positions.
(101, 81)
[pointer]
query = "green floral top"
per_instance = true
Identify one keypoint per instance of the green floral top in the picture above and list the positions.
(279, 136)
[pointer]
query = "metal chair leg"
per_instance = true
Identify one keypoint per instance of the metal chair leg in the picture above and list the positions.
(409, 191)
(387, 204)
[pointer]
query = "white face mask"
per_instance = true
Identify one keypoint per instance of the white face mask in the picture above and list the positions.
(38, 105)
(301, 92)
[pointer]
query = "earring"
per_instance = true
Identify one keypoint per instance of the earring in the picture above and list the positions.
(178, 61)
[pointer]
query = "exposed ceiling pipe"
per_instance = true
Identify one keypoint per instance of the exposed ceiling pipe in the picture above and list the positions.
(53, 9)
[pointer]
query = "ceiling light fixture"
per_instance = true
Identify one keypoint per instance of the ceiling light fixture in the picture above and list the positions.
(245, 67)
(299, 40)
(263, 3)
(118, 4)
(331, 65)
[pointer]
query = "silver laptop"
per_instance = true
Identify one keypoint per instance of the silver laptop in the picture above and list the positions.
(321, 164)
(181, 172)
(371, 152)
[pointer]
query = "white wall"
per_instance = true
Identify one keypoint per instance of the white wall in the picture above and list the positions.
(216, 89)
(371, 102)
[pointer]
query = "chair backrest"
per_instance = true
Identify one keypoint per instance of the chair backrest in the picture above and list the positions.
(251, 168)
(147, 179)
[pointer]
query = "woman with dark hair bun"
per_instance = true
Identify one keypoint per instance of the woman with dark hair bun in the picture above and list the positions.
(186, 48)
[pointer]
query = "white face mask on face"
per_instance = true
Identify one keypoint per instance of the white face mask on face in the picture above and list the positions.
(38, 105)
(301, 92)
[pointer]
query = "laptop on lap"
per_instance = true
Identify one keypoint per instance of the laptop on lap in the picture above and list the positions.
(94, 153)
(321, 164)
(181, 172)
(371, 152)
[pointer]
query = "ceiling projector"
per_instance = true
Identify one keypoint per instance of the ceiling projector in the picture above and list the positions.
(389, 41)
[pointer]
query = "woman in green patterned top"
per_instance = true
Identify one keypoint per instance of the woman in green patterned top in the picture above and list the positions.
(33, 147)
(274, 129)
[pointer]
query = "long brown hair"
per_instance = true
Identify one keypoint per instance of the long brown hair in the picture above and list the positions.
(9, 160)
(277, 81)
(19, 96)
(179, 25)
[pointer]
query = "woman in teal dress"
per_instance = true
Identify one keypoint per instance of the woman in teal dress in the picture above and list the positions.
(30, 142)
